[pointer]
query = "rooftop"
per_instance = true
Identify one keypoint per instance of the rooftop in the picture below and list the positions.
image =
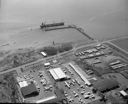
(105, 85)
(29, 91)
(57, 73)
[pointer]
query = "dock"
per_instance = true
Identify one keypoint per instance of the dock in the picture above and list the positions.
(60, 25)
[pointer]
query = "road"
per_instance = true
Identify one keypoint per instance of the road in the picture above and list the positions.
(118, 47)
(69, 53)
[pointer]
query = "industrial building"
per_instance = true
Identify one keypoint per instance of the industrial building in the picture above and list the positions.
(29, 91)
(105, 85)
(115, 62)
(87, 82)
(123, 93)
(57, 74)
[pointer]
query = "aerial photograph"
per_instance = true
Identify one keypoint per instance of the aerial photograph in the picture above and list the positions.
(64, 51)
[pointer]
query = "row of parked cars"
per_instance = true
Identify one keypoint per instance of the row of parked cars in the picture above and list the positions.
(90, 52)
(86, 52)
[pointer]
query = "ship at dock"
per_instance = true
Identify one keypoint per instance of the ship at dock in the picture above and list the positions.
(61, 25)
(43, 25)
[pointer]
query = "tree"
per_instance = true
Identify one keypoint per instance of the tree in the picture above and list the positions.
(15, 61)
(50, 50)
(65, 47)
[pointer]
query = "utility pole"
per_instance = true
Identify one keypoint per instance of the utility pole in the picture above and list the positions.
(53, 43)
(0, 3)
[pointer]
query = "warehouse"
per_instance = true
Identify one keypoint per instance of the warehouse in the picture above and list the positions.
(57, 74)
(124, 94)
(105, 85)
(87, 82)
(29, 91)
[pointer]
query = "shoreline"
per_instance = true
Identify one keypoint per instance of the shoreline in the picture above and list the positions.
(26, 34)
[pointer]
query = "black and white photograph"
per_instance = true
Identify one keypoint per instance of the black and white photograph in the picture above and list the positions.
(64, 51)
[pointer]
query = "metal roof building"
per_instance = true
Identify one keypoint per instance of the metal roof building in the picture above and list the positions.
(29, 91)
(57, 73)
(105, 85)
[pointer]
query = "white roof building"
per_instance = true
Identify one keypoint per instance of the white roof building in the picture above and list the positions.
(23, 84)
(46, 64)
(123, 93)
(43, 53)
(57, 73)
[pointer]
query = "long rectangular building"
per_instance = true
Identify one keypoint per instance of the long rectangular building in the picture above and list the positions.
(80, 74)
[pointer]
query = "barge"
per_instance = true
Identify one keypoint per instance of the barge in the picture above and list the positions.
(51, 25)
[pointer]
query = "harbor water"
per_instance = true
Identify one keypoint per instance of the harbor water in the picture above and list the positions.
(101, 19)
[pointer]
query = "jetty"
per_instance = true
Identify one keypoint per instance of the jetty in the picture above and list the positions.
(60, 25)
(81, 31)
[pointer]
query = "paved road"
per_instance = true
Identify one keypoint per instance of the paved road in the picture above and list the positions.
(61, 54)
(121, 52)
(118, 47)
(69, 53)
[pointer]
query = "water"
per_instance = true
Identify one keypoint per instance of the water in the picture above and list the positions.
(101, 19)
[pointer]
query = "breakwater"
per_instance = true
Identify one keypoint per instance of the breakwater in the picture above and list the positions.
(56, 26)
(81, 30)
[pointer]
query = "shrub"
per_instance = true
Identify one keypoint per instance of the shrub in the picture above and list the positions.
(50, 50)
(65, 47)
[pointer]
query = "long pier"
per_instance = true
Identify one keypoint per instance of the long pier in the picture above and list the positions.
(81, 31)
(56, 26)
